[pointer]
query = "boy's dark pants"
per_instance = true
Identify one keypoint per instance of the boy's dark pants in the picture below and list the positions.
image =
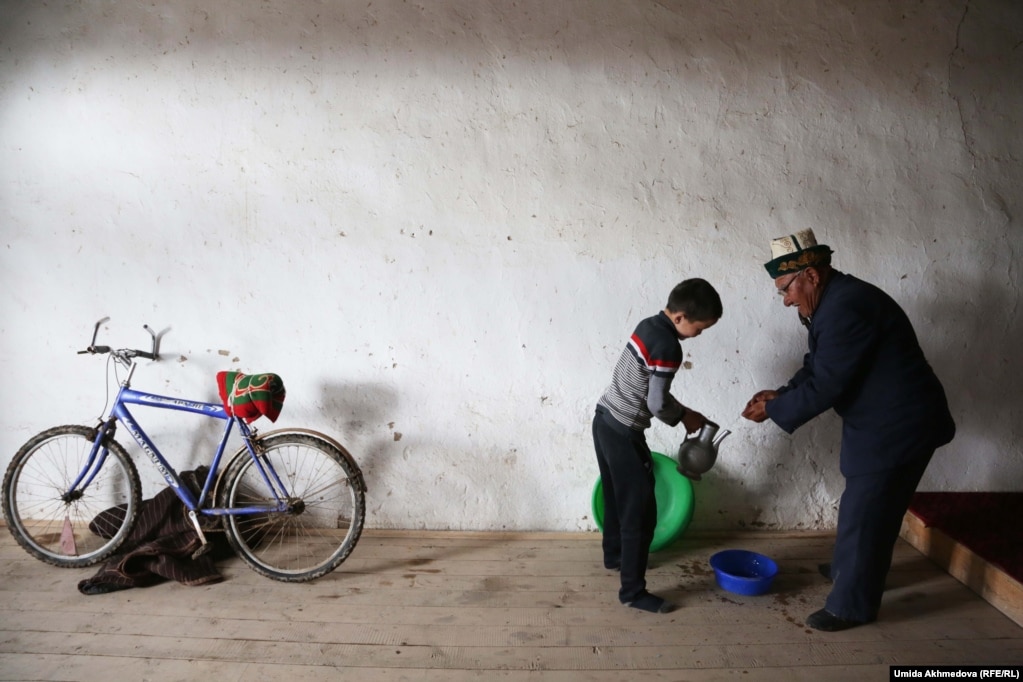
(630, 510)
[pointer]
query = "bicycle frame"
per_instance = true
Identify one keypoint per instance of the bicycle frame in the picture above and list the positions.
(120, 413)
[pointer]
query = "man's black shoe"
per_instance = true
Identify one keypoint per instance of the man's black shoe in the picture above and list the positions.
(828, 622)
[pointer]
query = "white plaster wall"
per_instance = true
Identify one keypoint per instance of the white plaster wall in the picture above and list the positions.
(440, 221)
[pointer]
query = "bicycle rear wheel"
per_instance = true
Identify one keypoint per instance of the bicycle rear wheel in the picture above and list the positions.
(74, 529)
(328, 508)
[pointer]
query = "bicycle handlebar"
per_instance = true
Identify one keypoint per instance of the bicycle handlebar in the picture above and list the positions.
(123, 354)
(95, 349)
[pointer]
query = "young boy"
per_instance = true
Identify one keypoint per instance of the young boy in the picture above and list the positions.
(639, 390)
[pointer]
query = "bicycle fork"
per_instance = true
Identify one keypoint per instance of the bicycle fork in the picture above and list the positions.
(75, 491)
(97, 456)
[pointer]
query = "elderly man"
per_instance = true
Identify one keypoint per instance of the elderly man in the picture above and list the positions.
(864, 362)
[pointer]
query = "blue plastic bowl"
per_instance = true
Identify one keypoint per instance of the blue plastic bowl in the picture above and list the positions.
(743, 572)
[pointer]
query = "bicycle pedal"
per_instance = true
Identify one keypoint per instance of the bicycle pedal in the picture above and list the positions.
(194, 518)
(204, 548)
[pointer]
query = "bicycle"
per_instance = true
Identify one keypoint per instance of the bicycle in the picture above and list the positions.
(291, 502)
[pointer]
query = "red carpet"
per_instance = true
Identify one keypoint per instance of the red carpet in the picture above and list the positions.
(986, 523)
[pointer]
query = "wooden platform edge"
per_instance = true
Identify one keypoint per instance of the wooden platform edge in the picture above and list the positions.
(993, 585)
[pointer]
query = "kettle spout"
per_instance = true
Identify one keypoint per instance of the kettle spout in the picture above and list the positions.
(721, 437)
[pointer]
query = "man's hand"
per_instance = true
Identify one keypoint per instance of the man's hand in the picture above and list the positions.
(756, 408)
(693, 421)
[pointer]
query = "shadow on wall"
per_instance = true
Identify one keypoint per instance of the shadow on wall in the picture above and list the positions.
(490, 488)
(989, 47)
(355, 414)
(981, 377)
(803, 467)
(727, 500)
(695, 37)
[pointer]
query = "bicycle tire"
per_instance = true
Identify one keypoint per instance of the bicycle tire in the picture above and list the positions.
(70, 533)
(309, 543)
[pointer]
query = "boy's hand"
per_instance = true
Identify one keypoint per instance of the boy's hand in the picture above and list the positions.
(693, 421)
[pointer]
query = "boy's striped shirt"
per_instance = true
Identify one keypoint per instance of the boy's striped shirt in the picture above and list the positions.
(641, 382)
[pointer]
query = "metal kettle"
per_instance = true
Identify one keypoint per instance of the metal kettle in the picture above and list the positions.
(698, 453)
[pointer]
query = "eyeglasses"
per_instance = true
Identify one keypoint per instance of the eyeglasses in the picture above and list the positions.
(784, 290)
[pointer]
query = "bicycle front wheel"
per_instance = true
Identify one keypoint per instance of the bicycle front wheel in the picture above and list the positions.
(64, 527)
(327, 507)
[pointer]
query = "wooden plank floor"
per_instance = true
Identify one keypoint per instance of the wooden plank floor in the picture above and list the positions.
(435, 606)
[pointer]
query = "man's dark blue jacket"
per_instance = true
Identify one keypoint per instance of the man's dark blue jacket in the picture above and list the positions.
(865, 362)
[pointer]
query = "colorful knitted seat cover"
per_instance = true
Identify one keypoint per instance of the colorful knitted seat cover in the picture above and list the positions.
(251, 396)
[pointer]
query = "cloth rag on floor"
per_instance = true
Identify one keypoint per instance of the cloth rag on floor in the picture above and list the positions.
(251, 396)
(161, 545)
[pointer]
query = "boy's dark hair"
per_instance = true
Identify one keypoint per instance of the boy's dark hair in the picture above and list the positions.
(696, 299)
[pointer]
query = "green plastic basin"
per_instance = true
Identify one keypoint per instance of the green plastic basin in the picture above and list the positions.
(675, 502)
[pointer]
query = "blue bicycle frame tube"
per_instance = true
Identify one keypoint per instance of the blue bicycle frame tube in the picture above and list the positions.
(128, 396)
(131, 396)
